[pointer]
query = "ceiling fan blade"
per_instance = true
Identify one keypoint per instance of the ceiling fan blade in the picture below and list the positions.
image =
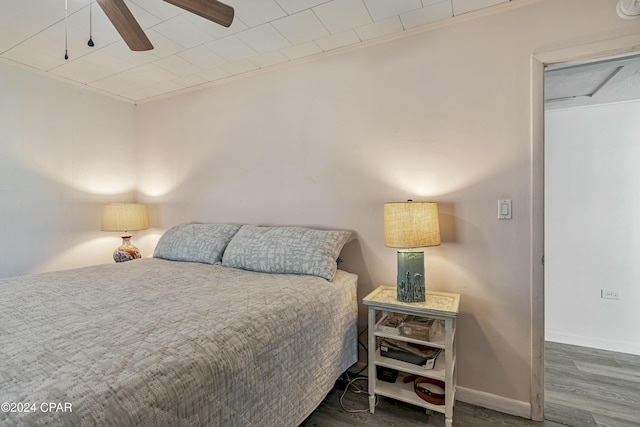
(124, 22)
(212, 10)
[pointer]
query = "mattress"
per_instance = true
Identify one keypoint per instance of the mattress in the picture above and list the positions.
(157, 342)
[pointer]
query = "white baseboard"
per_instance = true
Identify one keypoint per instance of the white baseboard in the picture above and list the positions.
(495, 402)
(602, 344)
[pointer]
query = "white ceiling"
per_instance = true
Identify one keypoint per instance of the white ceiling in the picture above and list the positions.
(599, 82)
(191, 51)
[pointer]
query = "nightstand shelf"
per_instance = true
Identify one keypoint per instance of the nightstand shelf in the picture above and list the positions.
(440, 306)
(438, 343)
(438, 372)
(404, 392)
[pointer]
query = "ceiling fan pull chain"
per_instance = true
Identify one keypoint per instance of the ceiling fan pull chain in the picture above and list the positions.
(66, 55)
(90, 42)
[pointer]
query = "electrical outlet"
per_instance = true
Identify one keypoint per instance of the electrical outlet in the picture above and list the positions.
(606, 294)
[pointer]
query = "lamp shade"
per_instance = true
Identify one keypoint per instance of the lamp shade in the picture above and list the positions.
(411, 225)
(124, 217)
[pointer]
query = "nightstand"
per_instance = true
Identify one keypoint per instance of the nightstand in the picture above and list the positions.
(440, 306)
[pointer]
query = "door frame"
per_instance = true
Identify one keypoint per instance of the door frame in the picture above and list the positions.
(619, 47)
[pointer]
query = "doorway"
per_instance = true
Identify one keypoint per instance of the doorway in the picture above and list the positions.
(590, 144)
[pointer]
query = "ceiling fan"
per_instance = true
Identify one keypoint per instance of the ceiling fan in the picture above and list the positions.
(133, 35)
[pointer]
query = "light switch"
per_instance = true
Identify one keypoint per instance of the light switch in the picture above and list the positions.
(504, 209)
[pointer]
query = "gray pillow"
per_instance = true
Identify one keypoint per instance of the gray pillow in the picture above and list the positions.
(289, 250)
(195, 242)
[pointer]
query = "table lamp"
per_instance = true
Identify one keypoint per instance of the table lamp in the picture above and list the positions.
(125, 217)
(409, 225)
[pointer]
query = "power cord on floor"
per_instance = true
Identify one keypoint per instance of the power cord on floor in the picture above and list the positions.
(356, 389)
(351, 381)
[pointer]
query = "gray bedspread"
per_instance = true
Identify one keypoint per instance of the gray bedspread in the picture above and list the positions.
(163, 343)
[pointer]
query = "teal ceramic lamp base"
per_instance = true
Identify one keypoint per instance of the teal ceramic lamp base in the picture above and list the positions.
(411, 277)
(126, 251)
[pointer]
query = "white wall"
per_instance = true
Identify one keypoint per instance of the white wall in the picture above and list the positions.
(592, 222)
(63, 152)
(442, 115)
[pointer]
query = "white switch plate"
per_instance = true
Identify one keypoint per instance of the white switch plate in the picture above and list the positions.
(504, 209)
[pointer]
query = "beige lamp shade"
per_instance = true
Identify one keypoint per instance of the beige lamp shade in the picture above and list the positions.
(124, 217)
(411, 225)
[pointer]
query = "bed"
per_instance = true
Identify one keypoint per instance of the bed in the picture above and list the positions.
(246, 337)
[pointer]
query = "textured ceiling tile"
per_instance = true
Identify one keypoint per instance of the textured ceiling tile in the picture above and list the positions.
(335, 41)
(268, 59)
(301, 27)
(202, 57)
(10, 36)
(379, 29)
(231, 48)
(383, 9)
(240, 67)
(21, 19)
(32, 32)
(107, 61)
(214, 74)
(217, 31)
(143, 93)
(101, 28)
(182, 32)
(607, 81)
(178, 66)
(52, 42)
(301, 50)
(192, 80)
(122, 51)
(464, 6)
(168, 86)
(160, 9)
(73, 5)
(263, 38)
(81, 71)
(154, 73)
(428, 15)
(341, 15)
(144, 18)
(257, 12)
(294, 6)
(162, 46)
(121, 83)
(24, 54)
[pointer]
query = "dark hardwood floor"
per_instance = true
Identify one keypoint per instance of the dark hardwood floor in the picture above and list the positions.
(584, 387)
(391, 413)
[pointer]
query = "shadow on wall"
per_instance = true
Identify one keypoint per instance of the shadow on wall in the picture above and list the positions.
(53, 225)
(354, 262)
(447, 218)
